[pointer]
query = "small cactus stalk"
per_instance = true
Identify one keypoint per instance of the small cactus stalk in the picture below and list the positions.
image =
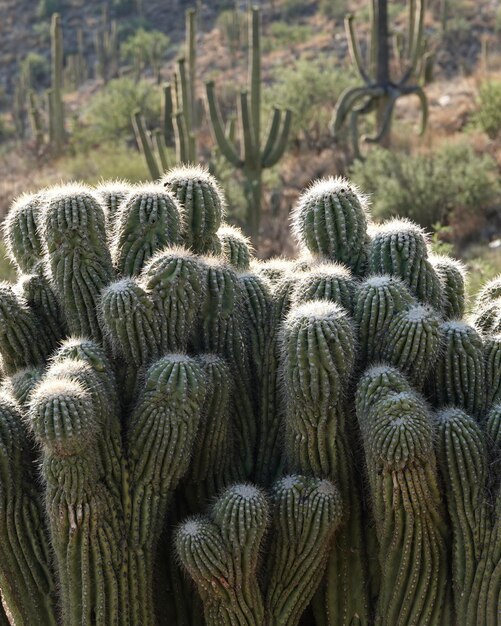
(327, 281)
(410, 521)
(26, 578)
(42, 300)
(399, 248)
(85, 528)
(202, 205)
(235, 247)
(459, 375)
(20, 385)
(112, 194)
(377, 300)
(73, 361)
(412, 342)
(174, 281)
(330, 221)
(492, 352)
(23, 340)
(220, 553)
(463, 462)
(78, 260)
(273, 270)
(209, 465)
(57, 60)
(317, 360)
(144, 145)
(306, 514)
(148, 220)
(452, 275)
(160, 439)
(222, 331)
(22, 235)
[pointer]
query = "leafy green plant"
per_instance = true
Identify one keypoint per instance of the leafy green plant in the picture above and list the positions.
(488, 115)
(429, 188)
(107, 117)
(146, 49)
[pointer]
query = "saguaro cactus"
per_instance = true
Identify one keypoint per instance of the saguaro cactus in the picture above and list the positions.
(380, 92)
(56, 95)
(253, 156)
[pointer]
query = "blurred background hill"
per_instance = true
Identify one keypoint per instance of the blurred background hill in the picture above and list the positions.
(447, 179)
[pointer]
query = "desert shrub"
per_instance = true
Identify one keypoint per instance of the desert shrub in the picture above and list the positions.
(108, 161)
(46, 8)
(146, 49)
(333, 8)
(282, 35)
(452, 185)
(108, 115)
(488, 115)
(34, 69)
(310, 88)
(233, 26)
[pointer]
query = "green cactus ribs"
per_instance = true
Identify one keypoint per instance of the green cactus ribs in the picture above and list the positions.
(330, 221)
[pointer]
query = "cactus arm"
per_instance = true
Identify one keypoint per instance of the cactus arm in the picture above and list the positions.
(249, 148)
(273, 131)
(180, 137)
(167, 112)
(277, 149)
(386, 120)
(144, 145)
(191, 56)
(255, 77)
(354, 48)
(423, 100)
(218, 129)
(347, 100)
(161, 149)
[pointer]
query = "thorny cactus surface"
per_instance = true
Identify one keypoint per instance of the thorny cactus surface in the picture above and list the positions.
(190, 436)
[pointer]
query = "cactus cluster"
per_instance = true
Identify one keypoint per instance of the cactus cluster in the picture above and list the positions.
(191, 436)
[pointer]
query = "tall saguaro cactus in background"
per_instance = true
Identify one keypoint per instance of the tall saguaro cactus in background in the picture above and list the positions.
(56, 111)
(253, 157)
(380, 91)
(180, 112)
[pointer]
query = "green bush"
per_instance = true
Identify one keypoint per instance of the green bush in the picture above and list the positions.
(488, 116)
(428, 188)
(310, 89)
(108, 115)
(334, 8)
(108, 161)
(47, 7)
(146, 49)
(282, 35)
(34, 69)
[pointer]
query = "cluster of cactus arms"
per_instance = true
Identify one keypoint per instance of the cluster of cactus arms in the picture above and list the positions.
(190, 436)
(380, 91)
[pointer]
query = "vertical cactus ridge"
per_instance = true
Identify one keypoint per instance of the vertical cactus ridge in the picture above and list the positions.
(493, 432)
(161, 435)
(22, 237)
(377, 300)
(412, 342)
(112, 194)
(23, 340)
(202, 204)
(492, 351)
(487, 318)
(489, 293)
(221, 553)
(236, 247)
(452, 275)
(318, 357)
(398, 247)
(463, 460)
(330, 220)
(209, 465)
(26, 578)
(222, 331)
(78, 260)
(306, 514)
(42, 300)
(459, 375)
(327, 281)
(21, 384)
(174, 280)
(84, 526)
(410, 521)
(147, 221)
(130, 322)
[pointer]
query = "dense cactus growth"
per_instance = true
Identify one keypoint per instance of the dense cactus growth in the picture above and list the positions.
(190, 436)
